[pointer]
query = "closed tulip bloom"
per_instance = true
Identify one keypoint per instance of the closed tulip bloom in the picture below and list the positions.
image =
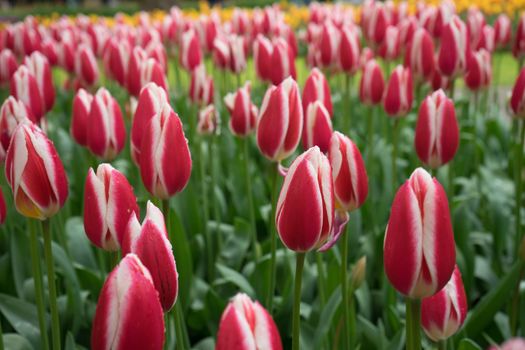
(280, 121)
(109, 202)
(305, 209)
(348, 173)
(372, 84)
(479, 70)
(502, 30)
(152, 71)
(443, 314)
(12, 113)
(24, 87)
(86, 66)
(41, 70)
(262, 57)
(317, 88)
(487, 39)
(221, 53)
(66, 54)
(49, 49)
(201, 86)
(208, 120)
(419, 56)
(475, 23)
(157, 51)
(237, 54)
(80, 116)
(419, 250)
(391, 48)
(137, 57)
(437, 131)
(116, 60)
(8, 66)
(282, 62)
(398, 94)
(129, 314)
(511, 344)
(246, 325)
(190, 50)
(349, 50)
(151, 101)
(165, 160)
(454, 50)
(517, 99)
(407, 29)
(243, 113)
(376, 25)
(150, 243)
(106, 133)
(328, 45)
(35, 173)
(317, 127)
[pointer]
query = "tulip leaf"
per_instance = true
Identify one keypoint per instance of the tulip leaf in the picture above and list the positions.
(468, 344)
(327, 315)
(236, 278)
(23, 318)
(78, 244)
(13, 341)
(18, 252)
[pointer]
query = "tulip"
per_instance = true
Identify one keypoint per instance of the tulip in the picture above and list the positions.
(307, 192)
(109, 203)
(221, 53)
(398, 94)
(419, 250)
(49, 49)
(349, 50)
(437, 131)
(66, 54)
(35, 173)
(243, 113)
(151, 101)
(390, 49)
(245, 325)
(475, 24)
(328, 45)
(150, 243)
(317, 127)
(486, 39)
(502, 30)
(419, 56)
(116, 60)
(80, 116)
(190, 51)
(165, 160)
(106, 132)
(443, 313)
(137, 57)
(372, 83)
(152, 71)
(479, 70)
(129, 314)
(201, 86)
(348, 173)
(316, 88)
(86, 66)
(280, 121)
(8, 66)
(454, 50)
(24, 87)
(282, 62)
(407, 30)
(41, 70)
(375, 29)
(237, 54)
(511, 344)
(208, 120)
(517, 99)
(12, 113)
(156, 50)
(262, 57)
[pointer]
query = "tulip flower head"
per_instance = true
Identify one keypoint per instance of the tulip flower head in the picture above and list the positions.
(419, 56)
(208, 120)
(479, 70)
(317, 127)
(349, 50)
(397, 100)
(80, 116)
(86, 66)
(502, 31)
(316, 88)
(372, 83)
(517, 100)
(24, 87)
(8, 66)
(243, 113)
(12, 113)
(455, 48)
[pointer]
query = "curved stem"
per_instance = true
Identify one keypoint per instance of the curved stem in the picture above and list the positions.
(37, 277)
(273, 242)
(348, 333)
(413, 332)
(253, 228)
(299, 264)
(48, 253)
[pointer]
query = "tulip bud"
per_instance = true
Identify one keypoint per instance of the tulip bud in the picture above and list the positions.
(317, 88)
(245, 325)
(349, 50)
(280, 121)
(12, 113)
(106, 133)
(479, 70)
(372, 84)
(398, 94)
(390, 48)
(238, 55)
(348, 173)
(66, 54)
(419, 249)
(190, 51)
(475, 24)
(152, 71)
(129, 314)
(437, 131)
(511, 344)
(358, 273)
(86, 66)
(208, 120)
(502, 30)
(8, 66)
(453, 53)
(376, 25)
(150, 243)
(221, 53)
(49, 49)
(243, 113)
(24, 87)
(419, 56)
(80, 116)
(407, 29)
(305, 209)
(116, 60)
(109, 202)
(486, 39)
(165, 160)
(517, 100)
(317, 127)
(282, 62)
(328, 45)
(262, 57)
(138, 56)
(151, 101)
(35, 173)
(156, 50)
(41, 70)
(444, 313)
(201, 86)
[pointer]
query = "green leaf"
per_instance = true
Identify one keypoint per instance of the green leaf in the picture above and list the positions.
(325, 321)
(236, 278)
(78, 244)
(468, 344)
(13, 341)
(205, 344)
(23, 318)
(19, 245)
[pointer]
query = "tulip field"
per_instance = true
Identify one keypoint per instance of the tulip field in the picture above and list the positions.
(322, 176)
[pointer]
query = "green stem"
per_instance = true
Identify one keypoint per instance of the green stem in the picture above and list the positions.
(37, 277)
(475, 131)
(273, 240)
(206, 212)
(179, 328)
(371, 115)
(48, 254)
(433, 172)
(450, 173)
(413, 324)
(253, 228)
(348, 123)
(442, 345)
(395, 135)
(296, 325)
(519, 162)
(214, 161)
(320, 278)
(348, 332)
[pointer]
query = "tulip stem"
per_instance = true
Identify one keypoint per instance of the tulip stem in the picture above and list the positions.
(519, 165)
(273, 243)
(246, 157)
(181, 339)
(442, 345)
(413, 322)
(37, 276)
(205, 209)
(348, 332)
(215, 163)
(371, 116)
(395, 134)
(48, 254)
(320, 278)
(299, 264)
(348, 124)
